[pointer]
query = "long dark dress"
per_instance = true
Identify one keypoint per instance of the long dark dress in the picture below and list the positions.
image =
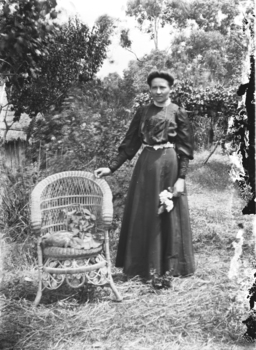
(148, 240)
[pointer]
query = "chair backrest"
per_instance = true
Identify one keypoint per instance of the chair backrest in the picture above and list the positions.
(69, 190)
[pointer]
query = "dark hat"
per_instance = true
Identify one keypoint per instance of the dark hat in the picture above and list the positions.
(162, 74)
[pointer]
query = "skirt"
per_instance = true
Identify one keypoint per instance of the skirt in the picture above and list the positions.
(150, 241)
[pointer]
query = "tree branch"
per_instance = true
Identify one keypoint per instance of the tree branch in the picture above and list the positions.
(134, 54)
(217, 144)
(6, 62)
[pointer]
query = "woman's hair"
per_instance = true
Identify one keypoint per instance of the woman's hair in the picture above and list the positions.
(162, 74)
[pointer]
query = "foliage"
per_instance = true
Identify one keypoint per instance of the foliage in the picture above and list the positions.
(15, 211)
(80, 221)
(41, 61)
(87, 132)
(76, 53)
(78, 235)
(208, 44)
(138, 70)
(214, 47)
(26, 27)
(250, 322)
(125, 41)
(88, 129)
(210, 15)
(149, 14)
(208, 57)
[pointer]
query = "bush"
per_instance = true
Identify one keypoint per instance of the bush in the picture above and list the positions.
(16, 188)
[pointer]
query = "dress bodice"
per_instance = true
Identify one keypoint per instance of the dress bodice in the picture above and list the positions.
(158, 124)
(155, 125)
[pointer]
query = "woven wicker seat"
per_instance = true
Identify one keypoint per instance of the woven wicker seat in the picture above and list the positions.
(72, 190)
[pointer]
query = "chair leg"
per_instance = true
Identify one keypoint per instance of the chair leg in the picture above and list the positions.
(115, 290)
(111, 282)
(40, 269)
(39, 293)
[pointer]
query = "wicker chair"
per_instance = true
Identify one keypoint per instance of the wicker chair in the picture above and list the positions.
(68, 191)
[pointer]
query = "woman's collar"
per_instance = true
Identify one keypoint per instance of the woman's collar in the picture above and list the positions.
(164, 104)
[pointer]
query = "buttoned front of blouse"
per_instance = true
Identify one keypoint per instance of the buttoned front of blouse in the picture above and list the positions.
(158, 125)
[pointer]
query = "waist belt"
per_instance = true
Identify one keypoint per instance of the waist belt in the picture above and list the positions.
(161, 146)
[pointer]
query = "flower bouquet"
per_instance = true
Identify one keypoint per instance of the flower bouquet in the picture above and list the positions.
(166, 202)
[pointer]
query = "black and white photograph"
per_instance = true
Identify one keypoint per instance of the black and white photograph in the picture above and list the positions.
(127, 175)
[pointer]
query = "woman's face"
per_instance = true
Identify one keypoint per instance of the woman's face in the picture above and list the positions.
(160, 90)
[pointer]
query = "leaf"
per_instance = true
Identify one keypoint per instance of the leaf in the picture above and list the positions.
(75, 231)
(33, 73)
(86, 211)
(70, 213)
(28, 279)
(93, 217)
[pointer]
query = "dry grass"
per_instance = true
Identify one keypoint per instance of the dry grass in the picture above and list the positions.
(200, 312)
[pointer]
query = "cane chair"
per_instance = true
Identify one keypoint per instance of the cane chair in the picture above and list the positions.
(68, 191)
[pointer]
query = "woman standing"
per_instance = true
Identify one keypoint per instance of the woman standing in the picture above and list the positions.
(149, 240)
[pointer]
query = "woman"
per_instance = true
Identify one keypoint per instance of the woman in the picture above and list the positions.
(150, 241)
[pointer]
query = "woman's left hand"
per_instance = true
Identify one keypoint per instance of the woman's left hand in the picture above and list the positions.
(179, 188)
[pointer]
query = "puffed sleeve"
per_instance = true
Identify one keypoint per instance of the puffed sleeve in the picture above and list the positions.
(130, 144)
(184, 141)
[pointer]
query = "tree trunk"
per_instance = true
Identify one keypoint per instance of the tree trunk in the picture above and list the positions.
(156, 29)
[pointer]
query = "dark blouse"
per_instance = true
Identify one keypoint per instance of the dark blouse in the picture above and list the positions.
(154, 125)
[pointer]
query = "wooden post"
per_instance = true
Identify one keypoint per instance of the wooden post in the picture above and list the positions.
(217, 144)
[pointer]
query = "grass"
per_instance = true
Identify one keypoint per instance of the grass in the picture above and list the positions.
(204, 311)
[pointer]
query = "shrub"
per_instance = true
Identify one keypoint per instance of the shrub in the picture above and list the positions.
(16, 188)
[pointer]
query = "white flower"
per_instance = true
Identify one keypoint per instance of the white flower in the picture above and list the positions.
(169, 205)
(166, 200)
(164, 196)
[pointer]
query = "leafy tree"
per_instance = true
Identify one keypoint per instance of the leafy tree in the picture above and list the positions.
(126, 43)
(149, 14)
(89, 126)
(208, 56)
(43, 61)
(211, 52)
(25, 29)
(26, 26)
(138, 71)
(209, 15)
(76, 53)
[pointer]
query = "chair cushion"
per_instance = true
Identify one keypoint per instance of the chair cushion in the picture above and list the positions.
(63, 253)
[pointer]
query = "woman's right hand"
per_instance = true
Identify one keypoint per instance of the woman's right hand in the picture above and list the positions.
(102, 172)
